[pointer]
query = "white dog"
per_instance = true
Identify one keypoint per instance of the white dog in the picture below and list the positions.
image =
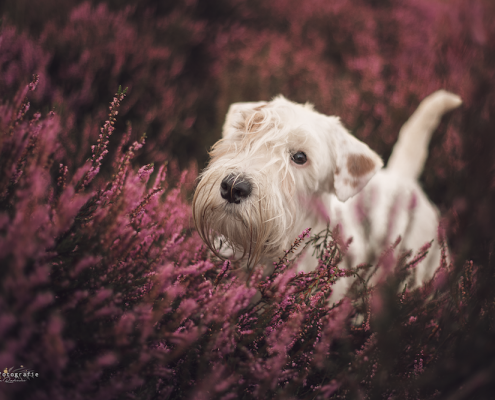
(278, 160)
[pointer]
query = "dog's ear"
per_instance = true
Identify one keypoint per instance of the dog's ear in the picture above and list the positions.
(355, 162)
(238, 114)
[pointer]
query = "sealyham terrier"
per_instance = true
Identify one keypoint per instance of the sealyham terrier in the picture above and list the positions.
(279, 164)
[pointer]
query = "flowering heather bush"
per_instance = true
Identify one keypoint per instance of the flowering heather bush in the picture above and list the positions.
(107, 293)
(106, 290)
(75, 260)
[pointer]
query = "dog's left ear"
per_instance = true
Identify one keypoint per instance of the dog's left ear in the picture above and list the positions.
(355, 162)
(238, 114)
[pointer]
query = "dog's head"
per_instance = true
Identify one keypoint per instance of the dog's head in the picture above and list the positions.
(274, 158)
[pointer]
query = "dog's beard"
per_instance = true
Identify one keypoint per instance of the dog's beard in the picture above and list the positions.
(252, 229)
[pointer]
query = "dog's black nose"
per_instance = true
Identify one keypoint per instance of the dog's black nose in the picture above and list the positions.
(235, 188)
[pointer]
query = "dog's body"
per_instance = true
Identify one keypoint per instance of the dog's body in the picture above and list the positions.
(389, 206)
(279, 162)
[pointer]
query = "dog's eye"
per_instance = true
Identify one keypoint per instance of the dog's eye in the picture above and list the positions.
(299, 158)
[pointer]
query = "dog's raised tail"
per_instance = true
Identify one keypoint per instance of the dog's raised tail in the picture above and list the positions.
(411, 150)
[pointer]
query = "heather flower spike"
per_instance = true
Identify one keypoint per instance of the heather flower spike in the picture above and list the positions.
(21, 106)
(100, 149)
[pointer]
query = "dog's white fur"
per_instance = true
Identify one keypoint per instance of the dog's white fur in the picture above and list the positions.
(373, 205)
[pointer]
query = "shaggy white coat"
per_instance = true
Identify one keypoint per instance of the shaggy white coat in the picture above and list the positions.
(373, 205)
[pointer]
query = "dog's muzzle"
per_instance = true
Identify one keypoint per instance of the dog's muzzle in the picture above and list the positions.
(235, 188)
